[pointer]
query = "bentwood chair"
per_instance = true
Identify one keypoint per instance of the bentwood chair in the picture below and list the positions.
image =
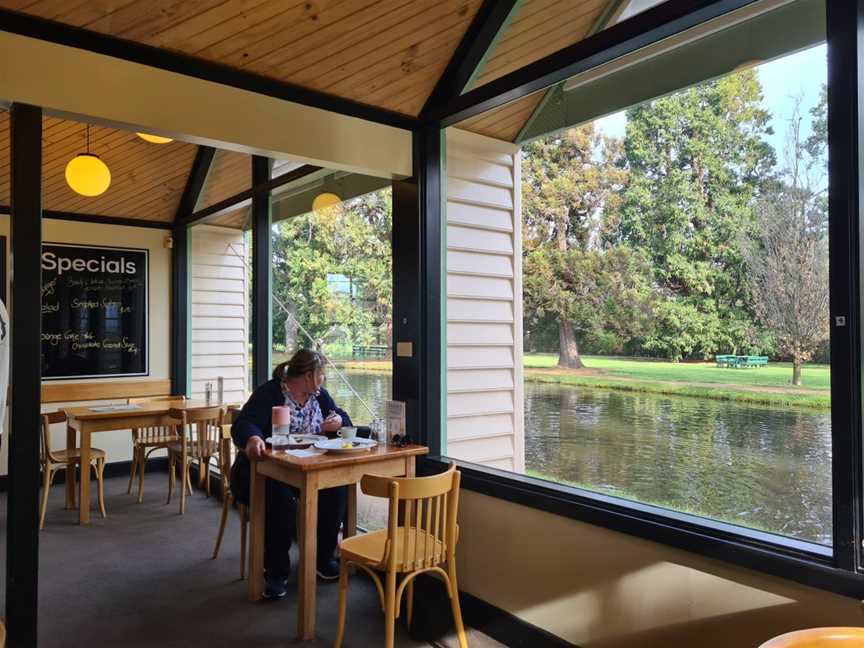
(425, 539)
(145, 441)
(204, 425)
(228, 501)
(54, 460)
(819, 638)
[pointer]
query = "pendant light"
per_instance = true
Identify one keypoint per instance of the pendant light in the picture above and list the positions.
(325, 201)
(87, 174)
(154, 139)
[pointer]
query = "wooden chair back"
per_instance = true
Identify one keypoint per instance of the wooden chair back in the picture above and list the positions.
(225, 456)
(48, 419)
(818, 638)
(427, 508)
(160, 434)
(206, 425)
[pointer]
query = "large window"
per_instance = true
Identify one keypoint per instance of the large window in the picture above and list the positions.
(675, 285)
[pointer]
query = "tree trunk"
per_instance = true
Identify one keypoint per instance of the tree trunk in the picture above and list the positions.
(568, 356)
(796, 371)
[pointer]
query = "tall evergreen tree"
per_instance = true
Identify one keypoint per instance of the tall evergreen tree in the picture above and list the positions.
(697, 160)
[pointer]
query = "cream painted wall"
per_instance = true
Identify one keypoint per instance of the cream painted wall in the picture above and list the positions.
(601, 589)
(116, 444)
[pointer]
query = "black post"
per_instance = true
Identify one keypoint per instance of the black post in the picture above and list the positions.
(261, 280)
(407, 302)
(22, 532)
(180, 298)
(845, 21)
(429, 171)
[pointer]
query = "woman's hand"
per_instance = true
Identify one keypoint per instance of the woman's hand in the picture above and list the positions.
(332, 423)
(255, 448)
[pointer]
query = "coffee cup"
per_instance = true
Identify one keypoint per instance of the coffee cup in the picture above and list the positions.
(347, 433)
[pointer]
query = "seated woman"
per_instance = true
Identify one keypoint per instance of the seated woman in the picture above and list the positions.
(296, 384)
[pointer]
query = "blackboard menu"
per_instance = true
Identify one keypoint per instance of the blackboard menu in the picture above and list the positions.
(94, 311)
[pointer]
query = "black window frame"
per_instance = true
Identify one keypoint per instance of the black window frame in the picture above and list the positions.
(837, 569)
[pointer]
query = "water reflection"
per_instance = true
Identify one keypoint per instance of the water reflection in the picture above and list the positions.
(755, 466)
(759, 467)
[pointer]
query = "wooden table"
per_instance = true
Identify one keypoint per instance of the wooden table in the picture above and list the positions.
(85, 422)
(309, 475)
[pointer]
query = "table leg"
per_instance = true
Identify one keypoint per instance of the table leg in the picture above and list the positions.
(184, 457)
(351, 521)
(307, 534)
(257, 504)
(410, 467)
(70, 471)
(84, 488)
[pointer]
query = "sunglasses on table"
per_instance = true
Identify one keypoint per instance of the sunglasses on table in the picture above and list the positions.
(401, 440)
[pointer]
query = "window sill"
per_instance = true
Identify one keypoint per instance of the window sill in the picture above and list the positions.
(803, 562)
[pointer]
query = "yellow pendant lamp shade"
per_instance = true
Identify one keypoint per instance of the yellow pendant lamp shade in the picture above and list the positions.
(325, 201)
(154, 139)
(88, 175)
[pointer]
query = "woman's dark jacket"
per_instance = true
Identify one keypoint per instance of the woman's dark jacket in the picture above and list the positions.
(255, 420)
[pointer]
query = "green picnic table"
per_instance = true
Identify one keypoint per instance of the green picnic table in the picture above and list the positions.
(740, 361)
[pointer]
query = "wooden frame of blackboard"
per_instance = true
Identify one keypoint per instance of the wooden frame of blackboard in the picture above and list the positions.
(3, 273)
(146, 253)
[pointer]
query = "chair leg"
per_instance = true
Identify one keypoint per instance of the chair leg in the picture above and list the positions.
(46, 486)
(142, 463)
(409, 603)
(226, 504)
(132, 469)
(453, 592)
(390, 610)
(171, 476)
(100, 473)
(244, 528)
(188, 477)
(343, 603)
(207, 475)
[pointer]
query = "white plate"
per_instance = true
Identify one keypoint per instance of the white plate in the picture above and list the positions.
(335, 445)
(300, 440)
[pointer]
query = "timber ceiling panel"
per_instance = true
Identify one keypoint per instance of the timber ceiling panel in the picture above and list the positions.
(539, 28)
(147, 180)
(505, 122)
(230, 174)
(388, 53)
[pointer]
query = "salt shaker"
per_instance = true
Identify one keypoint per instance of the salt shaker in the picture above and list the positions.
(208, 393)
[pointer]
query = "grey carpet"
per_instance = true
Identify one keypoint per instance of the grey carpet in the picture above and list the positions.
(144, 577)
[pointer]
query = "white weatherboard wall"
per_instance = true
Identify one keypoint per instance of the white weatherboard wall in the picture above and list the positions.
(484, 302)
(219, 318)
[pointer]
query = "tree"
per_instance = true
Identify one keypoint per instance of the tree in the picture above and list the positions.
(317, 254)
(568, 180)
(697, 160)
(789, 262)
(605, 296)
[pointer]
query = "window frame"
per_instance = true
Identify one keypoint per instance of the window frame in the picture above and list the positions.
(839, 568)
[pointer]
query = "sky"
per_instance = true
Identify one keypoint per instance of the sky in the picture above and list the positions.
(800, 74)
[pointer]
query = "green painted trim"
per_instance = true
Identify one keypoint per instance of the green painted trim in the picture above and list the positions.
(443, 283)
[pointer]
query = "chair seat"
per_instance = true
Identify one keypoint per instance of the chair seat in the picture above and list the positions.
(156, 443)
(211, 448)
(368, 548)
(74, 455)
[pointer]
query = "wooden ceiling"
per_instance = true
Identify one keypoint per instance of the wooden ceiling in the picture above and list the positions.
(386, 53)
(147, 180)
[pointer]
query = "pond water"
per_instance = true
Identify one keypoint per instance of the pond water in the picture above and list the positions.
(760, 467)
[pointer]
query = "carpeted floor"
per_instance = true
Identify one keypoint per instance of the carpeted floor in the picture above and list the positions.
(144, 577)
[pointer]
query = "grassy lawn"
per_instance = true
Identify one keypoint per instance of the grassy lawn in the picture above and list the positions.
(776, 374)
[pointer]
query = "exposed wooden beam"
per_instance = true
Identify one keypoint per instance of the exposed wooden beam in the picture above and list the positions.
(97, 218)
(202, 215)
(62, 34)
(201, 166)
(646, 28)
(488, 24)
